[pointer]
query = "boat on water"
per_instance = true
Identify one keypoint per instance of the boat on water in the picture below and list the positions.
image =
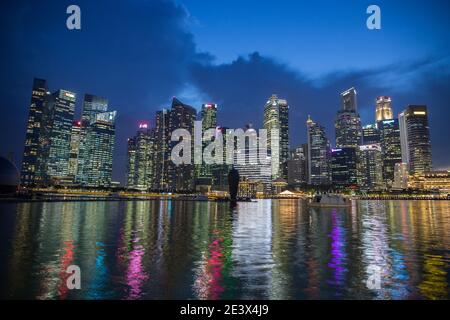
(329, 200)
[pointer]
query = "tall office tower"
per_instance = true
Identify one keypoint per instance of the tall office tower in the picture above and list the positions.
(370, 134)
(74, 148)
(305, 152)
(92, 106)
(369, 166)
(276, 116)
(219, 172)
(401, 176)
(209, 116)
(296, 166)
(99, 144)
(347, 122)
(131, 162)
(182, 116)
(319, 153)
(56, 154)
(348, 100)
(383, 109)
(140, 159)
(34, 135)
(415, 139)
(343, 167)
(162, 152)
(253, 169)
(203, 172)
(390, 148)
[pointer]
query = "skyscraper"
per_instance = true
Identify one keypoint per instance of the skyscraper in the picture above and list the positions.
(371, 134)
(34, 135)
(383, 110)
(99, 145)
(209, 116)
(162, 152)
(347, 122)
(74, 148)
(276, 116)
(319, 153)
(343, 167)
(92, 106)
(61, 108)
(254, 169)
(182, 116)
(415, 139)
(297, 166)
(203, 172)
(140, 159)
(369, 167)
(390, 148)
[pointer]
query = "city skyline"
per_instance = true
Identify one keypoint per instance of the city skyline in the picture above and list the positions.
(237, 79)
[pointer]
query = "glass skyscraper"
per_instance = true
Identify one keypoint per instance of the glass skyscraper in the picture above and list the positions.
(415, 139)
(383, 109)
(343, 167)
(140, 154)
(276, 116)
(74, 148)
(99, 147)
(92, 106)
(34, 134)
(319, 154)
(390, 148)
(203, 174)
(61, 109)
(369, 167)
(371, 134)
(348, 122)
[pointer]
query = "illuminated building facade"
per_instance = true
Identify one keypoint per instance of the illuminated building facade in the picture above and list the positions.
(319, 154)
(369, 167)
(182, 116)
(415, 139)
(34, 135)
(390, 148)
(383, 109)
(253, 169)
(276, 117)
(74, 148)
(431, 181)
(348, 123)
(209, 121)
(401, 176)
(167, 175)
(297, 166)
(99, 144)
(61, 108)
(92, 106)
(140, 159)
(343, 167)
(370, 134)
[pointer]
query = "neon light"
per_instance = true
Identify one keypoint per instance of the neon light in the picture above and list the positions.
(420, 113)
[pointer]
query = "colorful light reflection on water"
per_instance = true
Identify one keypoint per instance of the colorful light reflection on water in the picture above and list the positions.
(278, 249)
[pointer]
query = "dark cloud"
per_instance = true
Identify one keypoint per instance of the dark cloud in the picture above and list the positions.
(141, 53)
(242, 87)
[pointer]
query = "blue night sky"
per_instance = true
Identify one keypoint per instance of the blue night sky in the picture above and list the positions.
(139, 54)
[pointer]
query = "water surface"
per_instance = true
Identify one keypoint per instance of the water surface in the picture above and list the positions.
(270, 249)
